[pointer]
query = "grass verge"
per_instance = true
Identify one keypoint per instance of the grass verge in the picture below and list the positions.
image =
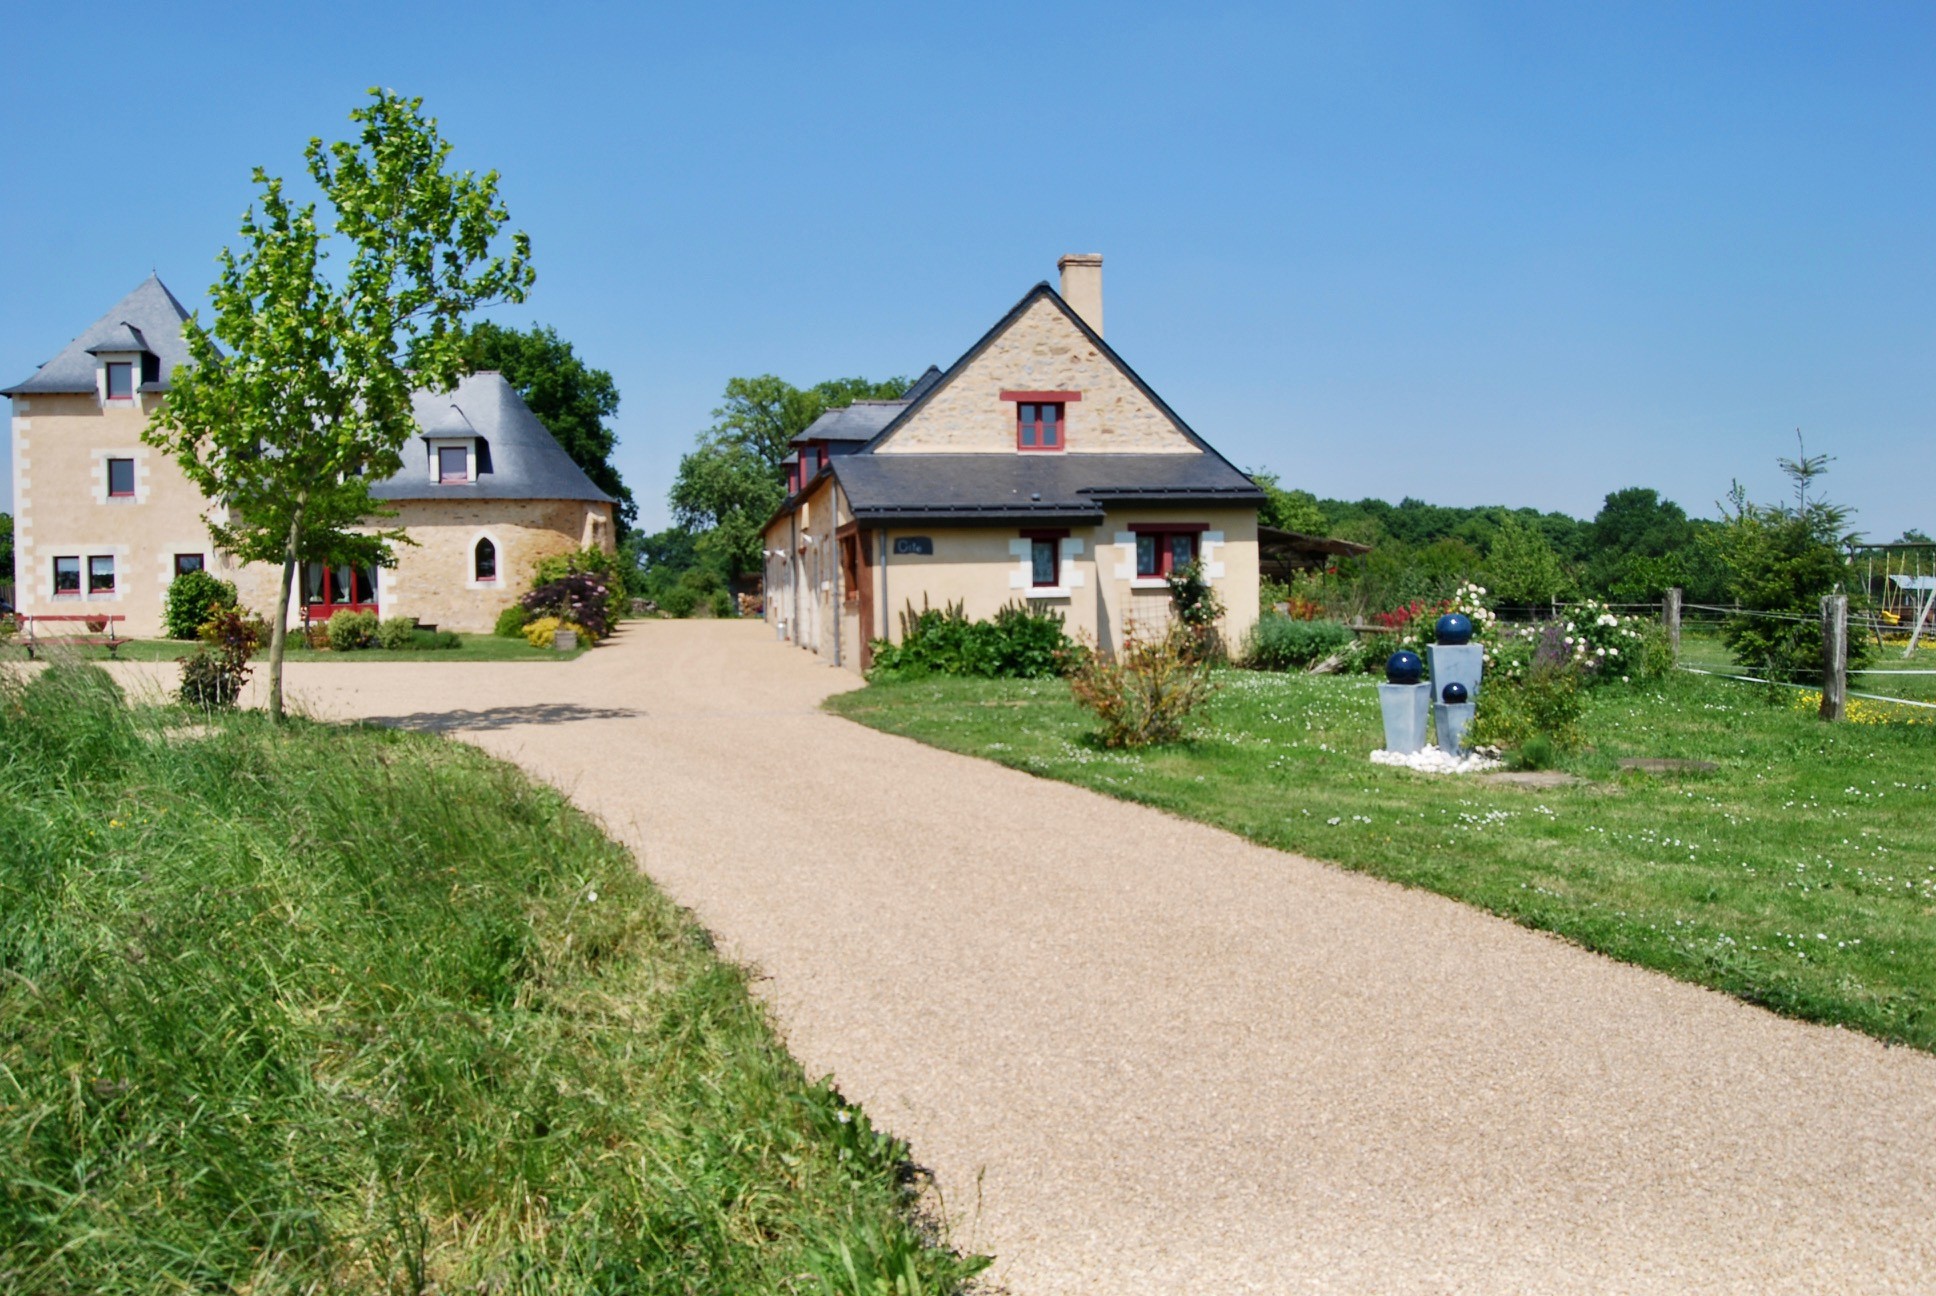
(1799, 874)
(322, 1009)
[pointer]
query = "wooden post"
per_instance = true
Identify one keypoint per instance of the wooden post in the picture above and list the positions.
(1835, 656)
(1670, 615)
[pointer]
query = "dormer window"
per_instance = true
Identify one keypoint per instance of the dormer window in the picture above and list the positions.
(457, 461)
(120, 380)
(150, 368)
(453, 464)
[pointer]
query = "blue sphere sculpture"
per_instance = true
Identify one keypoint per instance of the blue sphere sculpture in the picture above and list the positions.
(1404, 667)
(1453, 628)
(1454, 693)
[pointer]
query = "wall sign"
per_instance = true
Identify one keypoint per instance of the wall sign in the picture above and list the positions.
(914, 545)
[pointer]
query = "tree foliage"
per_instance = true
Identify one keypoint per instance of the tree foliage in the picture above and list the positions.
(1289, 510)
(298, 397)
(6, 548)
(1780, 561)
(570, 398)
(730, 483)
(1523, 567)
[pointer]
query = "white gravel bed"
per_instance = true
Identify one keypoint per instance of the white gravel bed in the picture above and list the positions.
(1430, 760)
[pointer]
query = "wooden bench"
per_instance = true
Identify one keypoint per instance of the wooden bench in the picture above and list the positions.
(33, 637)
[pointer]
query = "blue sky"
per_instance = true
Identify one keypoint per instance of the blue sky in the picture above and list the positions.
(1520, 254)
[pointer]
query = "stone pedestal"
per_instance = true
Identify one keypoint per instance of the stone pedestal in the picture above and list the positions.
(1462, 662)
(1453, 719)
(1406, 708)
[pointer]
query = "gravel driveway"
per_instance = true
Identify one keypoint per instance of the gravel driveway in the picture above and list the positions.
(1142, 1055)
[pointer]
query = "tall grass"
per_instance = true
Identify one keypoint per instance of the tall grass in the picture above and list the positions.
(316, 1009)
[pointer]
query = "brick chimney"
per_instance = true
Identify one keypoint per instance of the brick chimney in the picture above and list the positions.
(1082, 286)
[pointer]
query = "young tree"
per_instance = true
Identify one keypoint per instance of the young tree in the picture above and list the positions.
(570, 398)
(730, 483)
(1781, 560)
(285, 429)
(1522, 566)
(6, 548)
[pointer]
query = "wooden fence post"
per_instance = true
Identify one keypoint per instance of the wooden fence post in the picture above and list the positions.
(1835, 656)
(1670, 615)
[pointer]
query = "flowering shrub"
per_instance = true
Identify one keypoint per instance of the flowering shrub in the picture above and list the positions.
(538, 633)
(581, 598)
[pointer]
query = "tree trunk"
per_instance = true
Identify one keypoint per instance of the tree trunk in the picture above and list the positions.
(279, 632)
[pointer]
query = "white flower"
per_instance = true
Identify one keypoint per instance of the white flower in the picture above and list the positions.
(591, 897)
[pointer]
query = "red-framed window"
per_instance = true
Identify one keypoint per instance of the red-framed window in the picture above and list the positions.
(453, 465)
(186, 563)
(328, 590)
(1162, 548)
(484, 561)
(100, 574)
(120, 380)
(1045, 558)
(1042, 418)
(120, 479)
(67, 577)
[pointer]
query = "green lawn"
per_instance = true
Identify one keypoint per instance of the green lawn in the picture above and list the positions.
(473, 648)
(1889, 675)
(1801, 874)
(351, 1010)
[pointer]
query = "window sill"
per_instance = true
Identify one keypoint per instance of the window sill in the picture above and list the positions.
(1149, 583)
(1049, 592)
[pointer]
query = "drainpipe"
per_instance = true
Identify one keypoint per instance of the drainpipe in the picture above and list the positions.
(886, 548)
(840, 616)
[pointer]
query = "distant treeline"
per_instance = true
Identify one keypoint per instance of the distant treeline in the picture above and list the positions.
(1636, 546)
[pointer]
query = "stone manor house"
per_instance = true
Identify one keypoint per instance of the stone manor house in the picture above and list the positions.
(103, 522)
(1038, 468)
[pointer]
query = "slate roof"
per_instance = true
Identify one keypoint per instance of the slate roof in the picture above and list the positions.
(149, 315)
(857, 422)
(994, 488)
(519, 459)
(1000, 487)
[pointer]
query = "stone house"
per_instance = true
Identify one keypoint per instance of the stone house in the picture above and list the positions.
(1039, 467)
(103, 523)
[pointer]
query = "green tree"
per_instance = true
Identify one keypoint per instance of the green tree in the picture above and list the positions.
(730, 483)
(570, 398)
(1639, 540)
(1523, 566)
(1288, 510)
(299, 397)
(1780, 561)
(6, 548)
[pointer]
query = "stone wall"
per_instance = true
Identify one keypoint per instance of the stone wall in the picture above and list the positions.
(61, 445)
(1040, 351)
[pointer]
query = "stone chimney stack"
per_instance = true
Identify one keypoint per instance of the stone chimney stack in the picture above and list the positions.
(1082, 286)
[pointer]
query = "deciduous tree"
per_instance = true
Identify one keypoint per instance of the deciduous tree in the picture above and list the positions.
(730, 483)
(299, 396)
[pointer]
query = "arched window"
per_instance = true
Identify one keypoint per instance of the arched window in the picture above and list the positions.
(484, 561)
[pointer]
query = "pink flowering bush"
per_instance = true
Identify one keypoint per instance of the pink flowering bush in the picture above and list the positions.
(581, 598)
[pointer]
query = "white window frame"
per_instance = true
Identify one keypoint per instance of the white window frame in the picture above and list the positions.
(470, 563)
(467, 444)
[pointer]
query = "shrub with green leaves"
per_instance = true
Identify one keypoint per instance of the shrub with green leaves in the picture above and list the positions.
(397, 633)
(213, 675)
(1282, 643)
(1542, 704)
(351, 631)
(1146, 691)
(510, 622)
(1018, 642)
(605, 570)
(192, 598)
